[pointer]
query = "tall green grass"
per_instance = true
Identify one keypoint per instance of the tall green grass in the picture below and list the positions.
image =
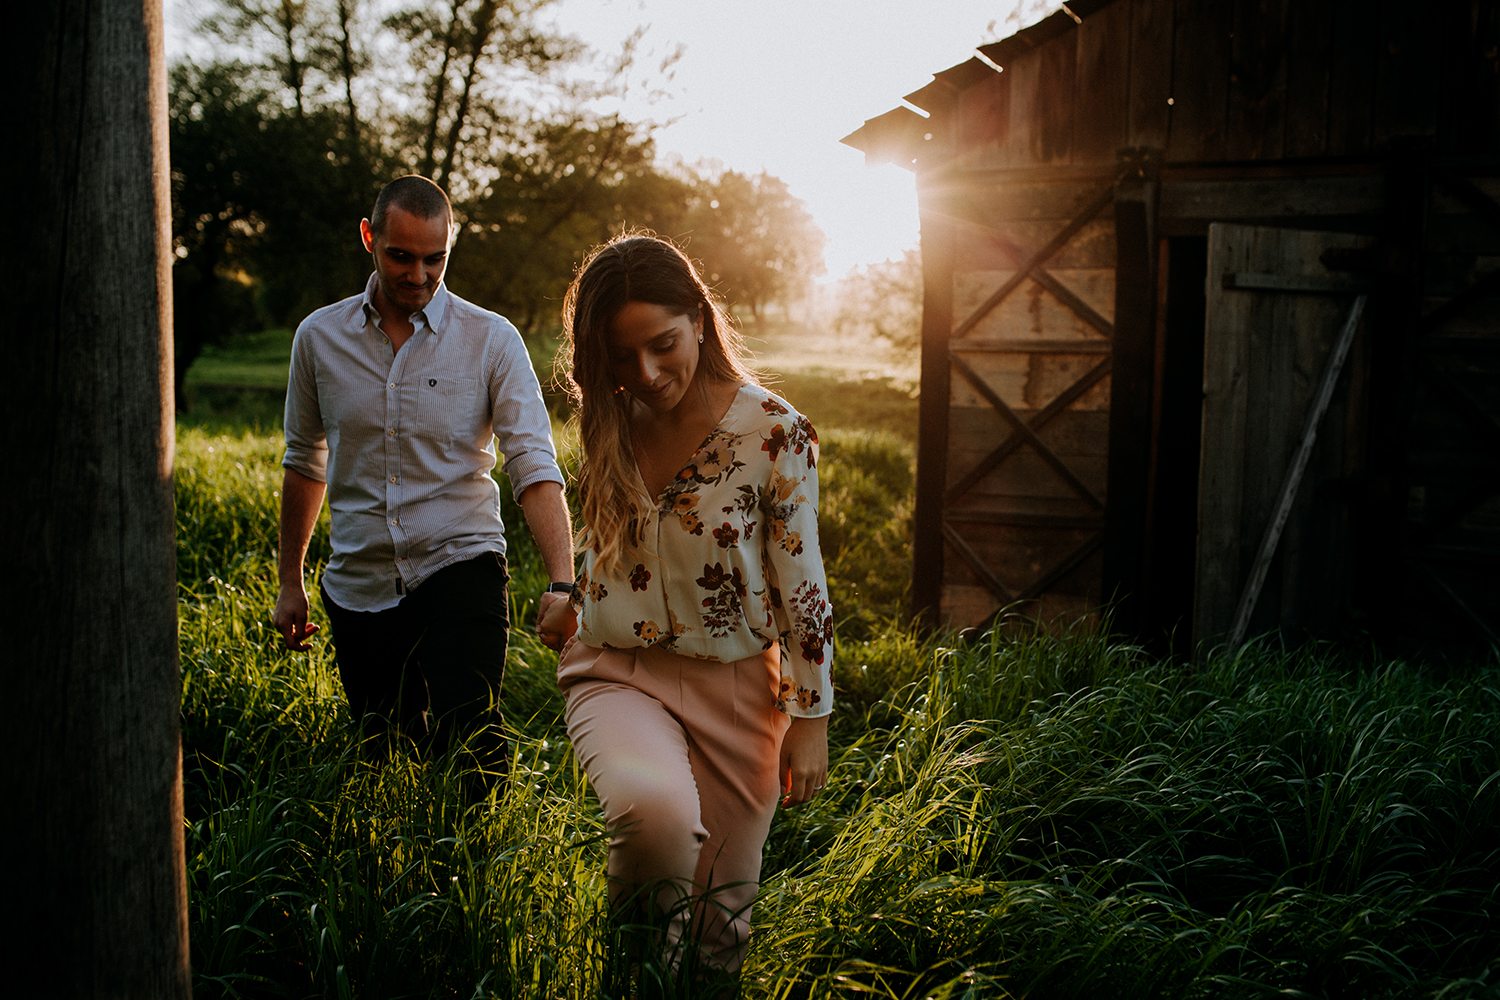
(1029, 815)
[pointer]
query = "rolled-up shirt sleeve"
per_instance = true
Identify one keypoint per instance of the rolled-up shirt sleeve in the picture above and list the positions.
(306, 443)
(523, 429)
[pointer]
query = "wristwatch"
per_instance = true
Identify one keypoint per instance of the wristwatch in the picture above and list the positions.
(571, 589)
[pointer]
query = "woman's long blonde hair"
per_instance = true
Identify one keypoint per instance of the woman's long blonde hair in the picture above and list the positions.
(629, 268)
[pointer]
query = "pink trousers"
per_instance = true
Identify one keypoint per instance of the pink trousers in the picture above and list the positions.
(682, 754)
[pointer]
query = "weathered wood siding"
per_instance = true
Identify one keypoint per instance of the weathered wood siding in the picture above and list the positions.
(1022, 515)
(1451, 529)
(1375, 119)
(1209, 82)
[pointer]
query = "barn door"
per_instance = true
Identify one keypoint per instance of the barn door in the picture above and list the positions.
(1279, 306)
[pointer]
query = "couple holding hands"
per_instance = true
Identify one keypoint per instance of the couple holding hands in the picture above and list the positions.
(696, 638)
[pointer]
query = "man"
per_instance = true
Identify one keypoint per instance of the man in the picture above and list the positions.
(395, 401)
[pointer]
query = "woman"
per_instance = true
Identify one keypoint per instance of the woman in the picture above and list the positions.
(697, 684)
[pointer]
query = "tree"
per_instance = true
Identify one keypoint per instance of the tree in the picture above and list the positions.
(278, 153)
(477, 55)
(264, 207)
(92, 764)
(883, 300)
(578, 181)
(274, 161)
(757, 241)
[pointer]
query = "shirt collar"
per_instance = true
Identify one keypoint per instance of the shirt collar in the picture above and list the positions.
(432, 314)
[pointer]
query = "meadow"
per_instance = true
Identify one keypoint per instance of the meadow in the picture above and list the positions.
(1020, 814)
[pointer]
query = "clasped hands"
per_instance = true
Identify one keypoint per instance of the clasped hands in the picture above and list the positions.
(556, 620)
(803, 765)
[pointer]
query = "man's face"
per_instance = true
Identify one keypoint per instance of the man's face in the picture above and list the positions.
(410, 257)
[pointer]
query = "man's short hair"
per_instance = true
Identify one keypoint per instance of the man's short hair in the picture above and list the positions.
(412, 193)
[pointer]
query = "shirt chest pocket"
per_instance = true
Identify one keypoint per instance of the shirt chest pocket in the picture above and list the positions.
(448, 408)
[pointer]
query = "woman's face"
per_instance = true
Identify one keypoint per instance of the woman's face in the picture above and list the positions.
(653, 353)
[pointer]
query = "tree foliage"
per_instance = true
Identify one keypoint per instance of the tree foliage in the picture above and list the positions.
(756, 239)
(280, 146)
(264, 208)
(883, 301)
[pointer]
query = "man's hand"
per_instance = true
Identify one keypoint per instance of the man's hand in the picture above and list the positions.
(301, 498)
(556, 620)
(290, 618)
(804, 760)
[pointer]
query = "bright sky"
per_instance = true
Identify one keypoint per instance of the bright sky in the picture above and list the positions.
(774, 85)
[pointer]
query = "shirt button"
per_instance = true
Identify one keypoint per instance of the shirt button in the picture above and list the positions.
(393, 522)
(391, 386)
(393, 479)
(392, 432)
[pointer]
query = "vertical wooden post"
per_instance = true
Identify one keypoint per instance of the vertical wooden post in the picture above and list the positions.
(1126, 517)
(92, 772)
(1395, 325)
(932, 411)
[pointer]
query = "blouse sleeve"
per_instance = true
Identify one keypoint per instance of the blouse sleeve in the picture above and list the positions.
(794, 570)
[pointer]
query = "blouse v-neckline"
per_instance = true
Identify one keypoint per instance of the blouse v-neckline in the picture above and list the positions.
(692, 455)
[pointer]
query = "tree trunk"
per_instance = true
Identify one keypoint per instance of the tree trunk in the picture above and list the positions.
(294, 71)
(91, 759)
(439, 91)
(479, 36)
(346, 69)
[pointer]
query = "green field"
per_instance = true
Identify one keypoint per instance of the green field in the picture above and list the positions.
(251, 361)
(1021, 816)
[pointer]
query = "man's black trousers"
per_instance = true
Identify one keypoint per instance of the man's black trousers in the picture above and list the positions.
(432, 666)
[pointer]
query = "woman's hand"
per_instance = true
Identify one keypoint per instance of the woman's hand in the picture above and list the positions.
(804, 760)
(556, 620)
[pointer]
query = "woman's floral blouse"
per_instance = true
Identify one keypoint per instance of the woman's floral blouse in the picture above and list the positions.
(730, 562)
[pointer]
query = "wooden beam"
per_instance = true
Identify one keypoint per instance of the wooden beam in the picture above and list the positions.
(932, 411)
(1396, 322)
(1458, 397)
(1469, 194)
(1422, 534)
(1440, 587)
(1062, 569)
(1061, 292)
(977, 564)
(1022, 519)
(1249, 281)
(1101, 200)
(970, 345)
(991, 461)
(1128, 517)
(1293, 478)
(1484, 287)
(1024, 431)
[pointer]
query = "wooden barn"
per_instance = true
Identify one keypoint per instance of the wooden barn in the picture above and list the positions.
(1211, 330)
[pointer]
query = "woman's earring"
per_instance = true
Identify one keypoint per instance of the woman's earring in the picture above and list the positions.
(700, 338)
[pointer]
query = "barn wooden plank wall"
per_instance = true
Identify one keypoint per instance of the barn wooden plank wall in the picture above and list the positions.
(1451, 541)
(1068, 177)
(1030, 291)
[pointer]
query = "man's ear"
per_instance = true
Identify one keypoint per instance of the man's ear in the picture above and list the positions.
(366, 236)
